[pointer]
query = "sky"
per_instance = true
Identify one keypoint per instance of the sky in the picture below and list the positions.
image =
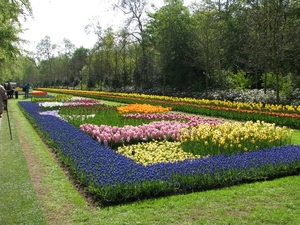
(61, 19)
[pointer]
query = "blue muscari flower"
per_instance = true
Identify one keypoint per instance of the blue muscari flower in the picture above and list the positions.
(102, 167)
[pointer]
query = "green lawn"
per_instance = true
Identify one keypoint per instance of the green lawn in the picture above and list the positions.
(35, 190)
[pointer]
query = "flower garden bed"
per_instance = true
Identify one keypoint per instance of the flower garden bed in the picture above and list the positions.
(114, 177)
(39, 93)
(281, 115)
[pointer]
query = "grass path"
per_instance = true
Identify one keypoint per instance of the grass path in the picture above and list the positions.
(59, 201)
(18, 201)
(35, 190)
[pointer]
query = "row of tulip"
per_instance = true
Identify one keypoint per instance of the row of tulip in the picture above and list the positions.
(282, 115)
(232, 137)
(147, 153)
(142, 108)
(157, 130)
(116, 178)
(72, 102)
(222, 103)
(51, 98)
(115, 136)
(191, 120)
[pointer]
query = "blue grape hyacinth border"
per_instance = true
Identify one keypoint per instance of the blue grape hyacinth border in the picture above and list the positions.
(112, 177)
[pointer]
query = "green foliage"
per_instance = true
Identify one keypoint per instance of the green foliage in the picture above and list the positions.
(170, 32)
(285, 83)
(10, 26)
(205, 44)
(239, 80)
(176, 46)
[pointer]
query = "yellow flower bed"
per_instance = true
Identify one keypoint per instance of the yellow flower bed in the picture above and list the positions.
(155, 152)
(142, 108)
(281, 108)
(208, 140)
(57, 98)
(233, 137)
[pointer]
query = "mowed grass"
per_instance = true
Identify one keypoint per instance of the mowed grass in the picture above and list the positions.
(35, 190)
(18, 201)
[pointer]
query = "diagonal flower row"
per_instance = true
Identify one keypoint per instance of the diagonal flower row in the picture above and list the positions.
(79, 102)
(142, 108)
(157, 130)
(191, 120)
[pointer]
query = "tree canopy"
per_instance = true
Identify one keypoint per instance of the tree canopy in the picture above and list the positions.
(206, 45)
(11, 11)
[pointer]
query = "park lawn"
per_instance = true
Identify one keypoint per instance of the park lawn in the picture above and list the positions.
(19, 203)
(40, 191)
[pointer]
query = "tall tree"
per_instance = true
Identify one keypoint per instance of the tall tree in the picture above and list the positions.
(29, 72)
(79, 60)
(267, 44)
(10, 27)
(65, 54)
(124, 43)
(45, 52)
(136, 18)
(169, 30)
(205, 43)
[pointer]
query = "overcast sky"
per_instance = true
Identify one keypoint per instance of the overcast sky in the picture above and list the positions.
(61, 19)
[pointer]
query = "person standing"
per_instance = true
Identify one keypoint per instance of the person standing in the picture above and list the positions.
(3, 100)
(26, 90)
(9, 90)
